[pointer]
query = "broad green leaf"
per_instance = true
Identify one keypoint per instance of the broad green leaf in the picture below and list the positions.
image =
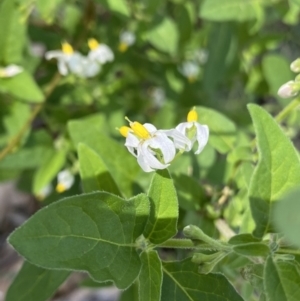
(236, 10)
(35, 283)
(12, 33)
(150, 278)
(119, 6)
(277, 171)
(162, 222)
(120, 163)
(93, 232)
(47, 9)
(94, 173)
(276, 69)
(219, 42)
(22, 86)
(48, 170)
(286, 216)
(222, 131)
(281, 281)
(252, 249)
(164, 36)
(182, 282)
(131, 294)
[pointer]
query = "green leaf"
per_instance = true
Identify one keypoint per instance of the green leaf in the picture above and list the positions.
(48, 170)
(119, 7)
(243, 239)
(94, 173)
(286, 216)
(182, 282)
(252, 249)
(22, 86)
(93, 232)
(236, 10)
(222, 130)
(120, 163)
(47, 9)
(270, 179)
(164, 36)
(35, 283)
(150, 278)
(131, 294)
(162, 223)
(281, 281)
(12, 33)
(276, 69)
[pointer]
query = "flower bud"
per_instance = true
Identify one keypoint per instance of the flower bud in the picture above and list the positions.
(295, 66)
(288, 89)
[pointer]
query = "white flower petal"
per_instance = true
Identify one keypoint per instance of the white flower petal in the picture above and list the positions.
(144, 165)
(62, 67)
(12, 70)
(54, 54)
(132, 140)
(150, 127)
(167, 147)
(148, 156)
(101, 54)
(66, 178)
(180, 141)
(202, 136)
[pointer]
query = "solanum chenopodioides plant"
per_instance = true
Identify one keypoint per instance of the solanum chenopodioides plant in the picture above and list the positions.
(117, 238)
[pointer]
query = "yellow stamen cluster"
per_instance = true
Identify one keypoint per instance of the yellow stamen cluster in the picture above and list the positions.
(67, 48)
(93, 44)
(60, 188)
(192, 115)
(123, 47)
(140, 130)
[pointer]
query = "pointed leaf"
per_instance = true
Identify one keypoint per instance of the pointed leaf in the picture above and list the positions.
(93, 232)
(35, 283)
(162, 223)
(277, 171)
(252, 249)
(182, 282)
(150, 278)
(94, 173)
(281, 281)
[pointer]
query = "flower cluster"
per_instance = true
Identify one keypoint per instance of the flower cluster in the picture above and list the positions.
(292, 87)
(70, 61)
(156, 149)
(127, 38)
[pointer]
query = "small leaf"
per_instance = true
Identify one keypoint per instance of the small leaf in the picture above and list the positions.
(242, 239)
(162, 222)
(277, 171)
(93, 232)
(48, 170)
(286, 216)
(252, 249)
(182, 282)
(164, 36)
(22, 86)
(35, 283)
(47, 9)
(222, 130)
(281, 281)
(150, 278)
(237, 10)
(94, 173)
(119, 6)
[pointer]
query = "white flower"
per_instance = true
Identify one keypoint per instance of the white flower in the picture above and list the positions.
(201, 56)
(65, 179)
(192, 130)
(10, 71)
(190, 70)
(152, 148)
(44, 192)
(295, 65)
(127, 38)
(288, 89)
(100, 53)
(84, 67)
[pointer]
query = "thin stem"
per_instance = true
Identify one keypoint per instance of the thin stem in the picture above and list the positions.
(287, 110)
(183, 243)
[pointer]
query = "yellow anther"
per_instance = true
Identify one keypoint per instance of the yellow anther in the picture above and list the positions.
(93, 43)
(192, 115)
(140, 130)
(60, 188)
(124, 130)
(123, 47)
(67, 48)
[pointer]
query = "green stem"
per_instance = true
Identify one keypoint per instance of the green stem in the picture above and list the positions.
(287, 110)
(288, 251)
(182, 243)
